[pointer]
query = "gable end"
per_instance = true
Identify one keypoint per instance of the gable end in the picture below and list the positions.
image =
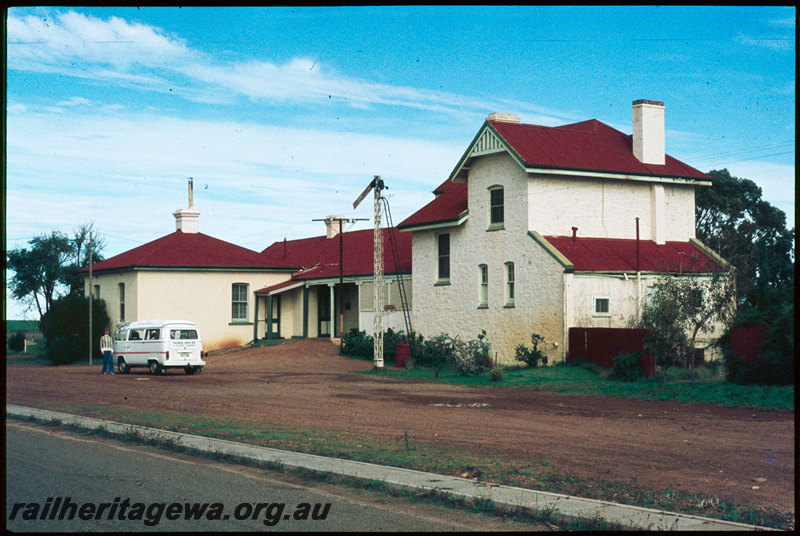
(487, 141)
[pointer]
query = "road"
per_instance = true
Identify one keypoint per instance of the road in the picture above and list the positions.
(47, 469)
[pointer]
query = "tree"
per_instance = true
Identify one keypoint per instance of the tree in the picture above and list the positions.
(66, 328)
(39, 271)
(733, 220)
(88, 247)
(49, 267)
(679, 308)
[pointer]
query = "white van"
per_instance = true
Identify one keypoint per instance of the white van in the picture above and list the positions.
(159, 345)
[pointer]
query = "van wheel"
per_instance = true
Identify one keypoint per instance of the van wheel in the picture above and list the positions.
(155, 368)
(189, 370)
(122, 366)
(198, 370)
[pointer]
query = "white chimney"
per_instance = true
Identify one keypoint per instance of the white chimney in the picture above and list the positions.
(332, 225)
(503, 117)
(187, 219)
(648, 131)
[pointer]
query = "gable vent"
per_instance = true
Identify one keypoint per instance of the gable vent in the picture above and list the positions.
(487, 143)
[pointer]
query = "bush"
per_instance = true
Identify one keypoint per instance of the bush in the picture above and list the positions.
(626, 367)
(472, 357)
(17, 342)
(357, 343)
(497, 373)
(66, 329)
(531, 356)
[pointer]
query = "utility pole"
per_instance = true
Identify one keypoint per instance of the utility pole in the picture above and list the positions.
(341, 273)
(91, 298)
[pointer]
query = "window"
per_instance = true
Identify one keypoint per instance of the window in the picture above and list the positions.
(97, 292)
(122, 302)
(183, 334)
(239, 302)
(496, 208)
(443, 256)
(601, 306)
(509, 284)
(695, 299)
(483, 285)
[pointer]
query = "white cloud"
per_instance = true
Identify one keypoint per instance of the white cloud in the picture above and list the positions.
(69, 37)
(75, 101)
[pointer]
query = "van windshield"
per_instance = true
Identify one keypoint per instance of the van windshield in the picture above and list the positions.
(177, 334)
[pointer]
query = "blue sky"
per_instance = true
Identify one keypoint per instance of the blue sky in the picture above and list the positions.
(283, 115)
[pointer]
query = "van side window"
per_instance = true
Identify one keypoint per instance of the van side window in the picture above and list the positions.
(122, 335)
(153, 334)
(136, 335)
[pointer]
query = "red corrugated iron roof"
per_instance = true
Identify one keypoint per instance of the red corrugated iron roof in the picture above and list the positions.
(449, 204)
(586, 146)
(179, 249)
(619, 255)
(319, 256)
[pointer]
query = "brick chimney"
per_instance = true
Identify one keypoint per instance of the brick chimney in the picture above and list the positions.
(648, 131)
(332, 225)
(504, 117)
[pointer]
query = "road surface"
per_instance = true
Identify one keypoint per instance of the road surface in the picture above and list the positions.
(52, 475)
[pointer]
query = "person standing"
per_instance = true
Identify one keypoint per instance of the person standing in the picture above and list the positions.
(107, 347)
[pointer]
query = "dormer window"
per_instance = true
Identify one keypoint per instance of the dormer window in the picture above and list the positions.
(496, 207)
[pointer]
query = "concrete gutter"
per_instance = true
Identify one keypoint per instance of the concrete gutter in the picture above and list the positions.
(509, 497)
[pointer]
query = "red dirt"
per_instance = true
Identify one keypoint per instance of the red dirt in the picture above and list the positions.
(710, 451)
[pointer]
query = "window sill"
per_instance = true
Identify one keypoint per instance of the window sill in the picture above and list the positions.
(240, 323)
(483, 306)
(509, 306)
(601, 315)
(496, 227)
(442, 283)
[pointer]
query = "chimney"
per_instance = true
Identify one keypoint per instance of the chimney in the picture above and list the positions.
(648, 131)
(574, 233)
(503, 117)
(332, 226)
(187, 219)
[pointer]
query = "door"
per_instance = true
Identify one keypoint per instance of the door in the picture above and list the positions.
(323, 311)
(273, 330)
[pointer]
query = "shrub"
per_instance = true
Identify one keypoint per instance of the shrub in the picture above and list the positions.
(66, 329)
(17, 342)
(531, 356)
(497, 373)
(467, 358)
(626, 367)
(472, 357)
(357, 343)
(435, 352)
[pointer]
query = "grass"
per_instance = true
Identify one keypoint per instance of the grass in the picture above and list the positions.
(404, 451)
(698, 386)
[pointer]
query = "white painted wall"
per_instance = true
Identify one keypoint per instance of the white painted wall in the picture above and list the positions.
(608, 208)
(203, 297)
(454, 308)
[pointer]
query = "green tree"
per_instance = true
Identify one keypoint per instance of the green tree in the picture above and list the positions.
(39, 271)
(49, 267)
(733, 220)
(88, 247)
(679, 308)
(66, 328)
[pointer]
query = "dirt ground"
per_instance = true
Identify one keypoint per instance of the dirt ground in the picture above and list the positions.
(711, 451)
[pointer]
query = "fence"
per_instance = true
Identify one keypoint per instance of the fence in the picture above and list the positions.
(602, 345)
(746, 342)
